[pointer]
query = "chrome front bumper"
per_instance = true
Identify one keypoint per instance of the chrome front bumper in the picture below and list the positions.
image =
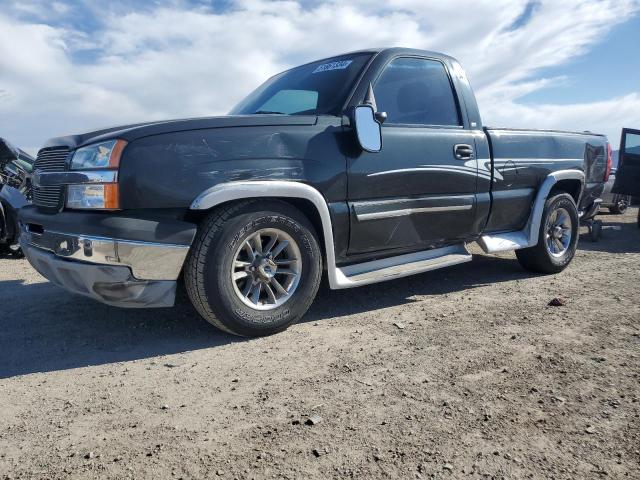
(114, 271)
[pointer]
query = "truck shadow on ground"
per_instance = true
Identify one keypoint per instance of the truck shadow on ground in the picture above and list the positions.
(483, 270)
(45, 328)
(616, 237)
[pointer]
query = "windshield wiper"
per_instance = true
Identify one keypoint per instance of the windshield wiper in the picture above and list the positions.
(268, 112)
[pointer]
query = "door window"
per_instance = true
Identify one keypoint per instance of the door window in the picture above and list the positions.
(416, 91)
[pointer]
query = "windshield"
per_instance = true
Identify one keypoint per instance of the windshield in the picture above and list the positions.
(319, 88)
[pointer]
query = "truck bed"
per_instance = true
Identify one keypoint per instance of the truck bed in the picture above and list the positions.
(520, 159)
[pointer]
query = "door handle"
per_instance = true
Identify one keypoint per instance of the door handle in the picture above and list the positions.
(463, 151)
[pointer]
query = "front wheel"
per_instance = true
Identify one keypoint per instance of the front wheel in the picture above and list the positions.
(254, 268)
(557, 239)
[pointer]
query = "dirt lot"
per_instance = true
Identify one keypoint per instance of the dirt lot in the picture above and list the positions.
(483, 380)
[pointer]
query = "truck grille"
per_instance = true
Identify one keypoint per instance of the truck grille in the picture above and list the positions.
(52, 159)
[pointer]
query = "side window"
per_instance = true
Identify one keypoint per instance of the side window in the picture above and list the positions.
(416, 91)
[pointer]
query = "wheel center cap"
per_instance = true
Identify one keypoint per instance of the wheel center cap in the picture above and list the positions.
(557, 232)
(266, 269)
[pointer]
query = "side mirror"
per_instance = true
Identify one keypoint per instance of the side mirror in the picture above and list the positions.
(368, 128)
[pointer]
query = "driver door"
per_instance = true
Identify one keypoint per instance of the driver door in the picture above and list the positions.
(628, 173)
(419, 191)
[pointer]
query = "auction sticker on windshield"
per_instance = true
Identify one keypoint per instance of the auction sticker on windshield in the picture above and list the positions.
(325, 67)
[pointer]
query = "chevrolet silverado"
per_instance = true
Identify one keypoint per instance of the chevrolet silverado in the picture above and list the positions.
(364, 167)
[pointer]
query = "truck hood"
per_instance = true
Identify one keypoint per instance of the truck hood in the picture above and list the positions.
(140, 130)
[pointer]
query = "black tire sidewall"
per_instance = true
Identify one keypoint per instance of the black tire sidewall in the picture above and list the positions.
(228, 308)
(560, 201)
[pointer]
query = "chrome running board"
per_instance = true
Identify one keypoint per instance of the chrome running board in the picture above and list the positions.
(504, 242)
(400, 266)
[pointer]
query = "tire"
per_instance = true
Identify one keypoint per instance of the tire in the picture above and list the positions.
(540, 258)
(223, 249)
(621, 204)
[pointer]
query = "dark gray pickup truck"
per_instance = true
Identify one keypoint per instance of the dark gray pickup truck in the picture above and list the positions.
(365, 167)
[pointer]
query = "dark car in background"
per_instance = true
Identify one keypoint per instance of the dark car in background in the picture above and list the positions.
(616, 203)
(16, 167)
(628, 175)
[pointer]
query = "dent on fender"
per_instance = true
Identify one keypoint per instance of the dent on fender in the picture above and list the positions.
(269, 156)
(201, 158)
(266, 173)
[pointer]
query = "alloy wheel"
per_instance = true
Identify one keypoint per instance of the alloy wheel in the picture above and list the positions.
(266, 269)
(558, 232)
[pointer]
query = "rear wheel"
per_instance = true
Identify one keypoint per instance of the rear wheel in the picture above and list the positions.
(254, 268)
(622, 203)
(557, 239)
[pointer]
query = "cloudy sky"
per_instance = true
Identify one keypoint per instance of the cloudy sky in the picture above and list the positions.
(70, 66)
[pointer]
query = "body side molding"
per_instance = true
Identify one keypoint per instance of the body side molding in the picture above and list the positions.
(345, 277)
(528, 236)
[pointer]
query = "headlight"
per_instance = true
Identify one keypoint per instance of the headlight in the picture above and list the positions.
(104, 196)
(99, 164)
(99, 155)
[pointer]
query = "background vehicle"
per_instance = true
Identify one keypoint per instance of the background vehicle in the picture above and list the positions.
(628, 174)
(616, 203)
(15, 192)
(373, 165)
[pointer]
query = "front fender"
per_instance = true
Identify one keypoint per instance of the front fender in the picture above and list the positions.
(231, 191)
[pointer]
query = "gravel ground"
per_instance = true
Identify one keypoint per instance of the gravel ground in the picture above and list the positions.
(459, 373)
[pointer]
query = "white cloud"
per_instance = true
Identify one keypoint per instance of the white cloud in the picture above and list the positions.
(607, 116)
(172, 60)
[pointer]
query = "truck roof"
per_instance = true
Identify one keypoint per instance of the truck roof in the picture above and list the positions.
(403, 50)
(389, 51)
